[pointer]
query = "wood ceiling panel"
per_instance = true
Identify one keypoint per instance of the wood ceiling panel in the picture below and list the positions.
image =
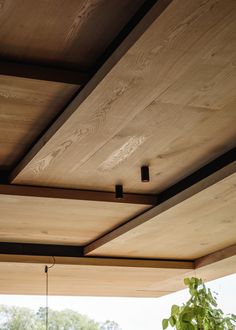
(207, 273)
(26, 108)
(71, 33)
(104, 277)
(146, 140)
(22, 278)
(169, 102)
(59, 221)
(200, 225)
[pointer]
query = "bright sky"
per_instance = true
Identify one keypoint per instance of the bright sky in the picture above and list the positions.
(130, 313)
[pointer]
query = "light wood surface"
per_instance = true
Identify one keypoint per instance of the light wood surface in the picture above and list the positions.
(209, 272)
(17, 278)
(59, 221)
(102, 262)
(166, 204)
(69, 33)
(169, 102)
(197, 226)
(26, 108)
(209, 259)
(26, 275)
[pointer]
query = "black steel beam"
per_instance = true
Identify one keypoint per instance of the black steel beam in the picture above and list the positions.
(28, 249)
(42, 72)
(73, 255)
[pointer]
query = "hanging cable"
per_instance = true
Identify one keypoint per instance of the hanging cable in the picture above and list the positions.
(46, 272)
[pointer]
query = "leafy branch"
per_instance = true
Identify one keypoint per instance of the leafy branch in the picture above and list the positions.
(200, 312)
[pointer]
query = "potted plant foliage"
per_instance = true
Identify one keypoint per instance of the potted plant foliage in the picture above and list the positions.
(200, 312)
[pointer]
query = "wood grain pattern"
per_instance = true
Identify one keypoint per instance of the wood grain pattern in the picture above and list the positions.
(25, 275)
(192, 228)
(102, 262)
(26, 108)
(62, 33)
(85, 278)
(210, 272)
(217, 256)
(169, 102)
(59, 221)
(127, 42)
(167, 201)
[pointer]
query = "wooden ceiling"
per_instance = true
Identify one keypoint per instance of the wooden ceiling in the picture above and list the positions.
(90, 91)
(74, 34)
(60, 221)
(180, 232)
(27, 107)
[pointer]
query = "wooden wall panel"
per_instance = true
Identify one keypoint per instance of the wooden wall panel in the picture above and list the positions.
(202, 224)
(59, 221)
(58, 32)
(169, 102)
(26, 108)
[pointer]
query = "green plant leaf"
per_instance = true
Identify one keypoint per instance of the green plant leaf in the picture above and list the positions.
(174, 310)
(193, 292)
(187, 281)
(172, 321)
(188, 316)
(200, 311)
(165, 323)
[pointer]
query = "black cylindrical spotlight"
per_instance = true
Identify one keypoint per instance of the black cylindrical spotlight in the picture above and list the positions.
(119, 191)
(145, 174)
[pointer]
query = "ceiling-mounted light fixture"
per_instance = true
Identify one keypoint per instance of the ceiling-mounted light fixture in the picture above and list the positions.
(119, 191)
(145, 174)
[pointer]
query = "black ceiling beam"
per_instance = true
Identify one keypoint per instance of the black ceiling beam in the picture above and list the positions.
(42, 72)
(76, 256)
(4, 176)
(73, 255)
(27, 249)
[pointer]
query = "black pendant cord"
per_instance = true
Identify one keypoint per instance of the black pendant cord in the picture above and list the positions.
(46, 272)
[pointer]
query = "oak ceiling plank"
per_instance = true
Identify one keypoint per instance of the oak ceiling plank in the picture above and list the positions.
(105, 135)
(171, 154)
(213, 271)
(211, 267)
(76, 280)
(26, 108)
(187, 226)
(62, 33)
(101, 277)
(30, 219)
(24, 274)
